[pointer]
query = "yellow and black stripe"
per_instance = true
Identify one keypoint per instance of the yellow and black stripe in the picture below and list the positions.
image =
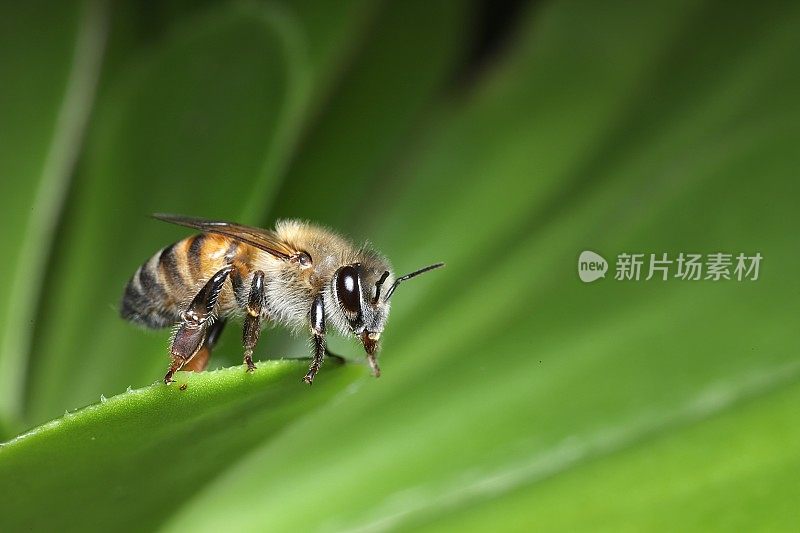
(156, 293)
(147, 295)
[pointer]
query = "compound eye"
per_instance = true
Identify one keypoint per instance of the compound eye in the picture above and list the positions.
(348, 289)
(304, 259)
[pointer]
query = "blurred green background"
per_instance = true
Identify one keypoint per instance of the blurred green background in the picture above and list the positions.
(503, 138)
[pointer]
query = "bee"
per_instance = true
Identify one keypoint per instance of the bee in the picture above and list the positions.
(298, 275)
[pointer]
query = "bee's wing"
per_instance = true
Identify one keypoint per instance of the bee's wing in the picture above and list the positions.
(260, 238)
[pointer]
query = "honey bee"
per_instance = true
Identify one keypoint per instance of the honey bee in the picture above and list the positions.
(299, 276)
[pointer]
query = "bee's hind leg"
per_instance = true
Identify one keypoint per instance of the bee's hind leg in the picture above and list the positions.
(195, 321)
(199, 362)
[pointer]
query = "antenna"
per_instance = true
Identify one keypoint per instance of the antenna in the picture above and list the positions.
(378, 286)
(409, 276)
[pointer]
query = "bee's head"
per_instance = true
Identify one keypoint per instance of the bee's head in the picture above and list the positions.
(357, 290)
(362, 291)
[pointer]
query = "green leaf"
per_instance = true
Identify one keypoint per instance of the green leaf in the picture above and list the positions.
(678, 483)
(154, 446)
(513, 395)
(46, 95)
(506, 354)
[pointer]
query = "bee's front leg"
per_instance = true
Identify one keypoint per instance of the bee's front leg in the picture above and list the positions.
(317, 317)
(195, 320)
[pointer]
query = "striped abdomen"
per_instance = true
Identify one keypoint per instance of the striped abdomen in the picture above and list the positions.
(161, 288)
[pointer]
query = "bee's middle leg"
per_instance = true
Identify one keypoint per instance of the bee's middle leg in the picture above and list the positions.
(252, 320)
(195, 321)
